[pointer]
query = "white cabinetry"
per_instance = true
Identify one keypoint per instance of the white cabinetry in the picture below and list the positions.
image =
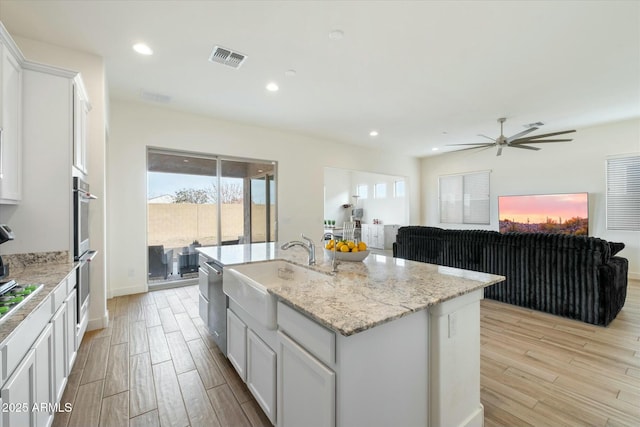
(250, 351)
(18, 394)
(44, 348)
(379, 236)
(10, 121)
(72, 344)
(306, 387)
(237, 344)
(81, 109)
(59, 322)
(261, 374)
(37, 359)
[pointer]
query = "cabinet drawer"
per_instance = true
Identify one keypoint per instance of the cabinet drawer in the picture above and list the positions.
(317, 339)
(24, 336)
(60, 294)
(203, 309)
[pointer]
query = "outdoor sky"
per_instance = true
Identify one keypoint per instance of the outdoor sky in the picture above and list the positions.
(540, 207)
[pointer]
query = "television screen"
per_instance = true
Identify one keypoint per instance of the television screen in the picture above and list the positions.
(545, 213)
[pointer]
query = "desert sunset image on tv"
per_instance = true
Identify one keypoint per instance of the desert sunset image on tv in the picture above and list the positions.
(545, 213)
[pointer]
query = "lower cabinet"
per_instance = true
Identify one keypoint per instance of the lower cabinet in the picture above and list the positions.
(18, 393)
(44, 347)
(306, 387)
(237, 344)
(72, 344)
(261, 374)
(37, 359)
(59, 322)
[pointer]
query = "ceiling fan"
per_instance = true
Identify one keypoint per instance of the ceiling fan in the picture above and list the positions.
(517, 140)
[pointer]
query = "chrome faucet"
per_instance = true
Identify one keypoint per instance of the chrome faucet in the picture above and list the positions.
(334, 261)
(309, 246)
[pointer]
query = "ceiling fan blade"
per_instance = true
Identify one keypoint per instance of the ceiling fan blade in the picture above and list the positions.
(488, 137)
(480, 148)
(526, 147)
(544, 135)
(540, 142)
(499, 153)
(518, 135)
(479, 144)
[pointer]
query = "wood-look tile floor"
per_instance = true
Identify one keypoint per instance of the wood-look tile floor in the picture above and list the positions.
(157, 366)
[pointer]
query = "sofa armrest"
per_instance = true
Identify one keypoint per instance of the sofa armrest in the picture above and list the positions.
(613, 282)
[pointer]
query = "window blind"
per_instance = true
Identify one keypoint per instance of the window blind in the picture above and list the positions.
(464, 199)
(623, 193)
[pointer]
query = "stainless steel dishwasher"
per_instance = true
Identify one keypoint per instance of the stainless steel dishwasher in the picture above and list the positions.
(213, 302)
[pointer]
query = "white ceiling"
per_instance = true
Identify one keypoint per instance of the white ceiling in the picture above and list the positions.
(423, 73)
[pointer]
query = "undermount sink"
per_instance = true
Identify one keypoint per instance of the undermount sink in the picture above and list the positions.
(247, 285)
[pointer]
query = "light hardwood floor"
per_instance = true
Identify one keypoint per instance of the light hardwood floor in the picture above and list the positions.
(156, 365)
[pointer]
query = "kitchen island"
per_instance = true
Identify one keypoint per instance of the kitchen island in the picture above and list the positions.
(381, 342)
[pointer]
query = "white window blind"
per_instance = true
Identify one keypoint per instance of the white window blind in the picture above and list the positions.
(464, 199)
(623, 193)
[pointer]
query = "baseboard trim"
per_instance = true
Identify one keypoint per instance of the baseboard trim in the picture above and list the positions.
(634, 276)
(126, 291)
(99, 323)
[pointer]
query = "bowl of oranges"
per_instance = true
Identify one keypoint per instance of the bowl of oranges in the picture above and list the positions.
(346, 250)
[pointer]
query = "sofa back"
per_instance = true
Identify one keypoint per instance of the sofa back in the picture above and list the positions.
(559, 274)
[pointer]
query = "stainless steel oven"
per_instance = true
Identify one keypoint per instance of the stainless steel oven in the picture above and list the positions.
(81, 246)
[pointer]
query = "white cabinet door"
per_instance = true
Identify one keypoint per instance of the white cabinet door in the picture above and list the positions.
(72, 345)
(10, 128)
(60, 365)
(306, 388)
(80, 112)
(261, 374)
(237, 344)
(18, 394)
(44, 399)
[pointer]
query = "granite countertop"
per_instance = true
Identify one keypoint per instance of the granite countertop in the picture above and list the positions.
(361, 295)
(47, 268)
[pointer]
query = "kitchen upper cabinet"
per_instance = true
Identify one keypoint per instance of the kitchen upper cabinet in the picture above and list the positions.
(10, 122)
(81, 109)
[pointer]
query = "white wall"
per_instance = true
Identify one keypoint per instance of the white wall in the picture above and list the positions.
(92, 69)
(301, 162)
(337, 186)
(389, 210)
(572, 167)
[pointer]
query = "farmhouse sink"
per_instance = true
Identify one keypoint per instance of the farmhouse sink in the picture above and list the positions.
(247, 285)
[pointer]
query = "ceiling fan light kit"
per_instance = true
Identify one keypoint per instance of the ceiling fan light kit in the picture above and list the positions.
(516, 141)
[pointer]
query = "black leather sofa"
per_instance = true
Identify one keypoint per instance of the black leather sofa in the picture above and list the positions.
(572, 276)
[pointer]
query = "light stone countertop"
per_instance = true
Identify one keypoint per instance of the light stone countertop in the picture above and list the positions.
(361, 295)
(47, 268)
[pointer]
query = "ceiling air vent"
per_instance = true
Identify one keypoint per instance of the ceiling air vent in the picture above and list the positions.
(227, 57)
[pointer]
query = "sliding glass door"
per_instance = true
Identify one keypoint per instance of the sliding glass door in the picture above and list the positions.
(202, 200)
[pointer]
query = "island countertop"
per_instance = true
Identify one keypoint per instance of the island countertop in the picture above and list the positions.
(361, 295)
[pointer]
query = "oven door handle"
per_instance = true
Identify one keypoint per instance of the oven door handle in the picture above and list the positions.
(88, 256)
(86, 195)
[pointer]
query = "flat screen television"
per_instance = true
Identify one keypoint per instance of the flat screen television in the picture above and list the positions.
(545, 213)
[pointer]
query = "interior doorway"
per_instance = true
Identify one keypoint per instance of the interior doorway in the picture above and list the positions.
(197, 200)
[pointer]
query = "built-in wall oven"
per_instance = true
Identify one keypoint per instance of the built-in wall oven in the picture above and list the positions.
(81, 247)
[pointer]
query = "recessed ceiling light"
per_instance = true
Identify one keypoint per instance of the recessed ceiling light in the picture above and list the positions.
(185, 160)
(290, 73)
(272, 87)
(142, 49)
(435, 149)
(373, 133)
(336, 35)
